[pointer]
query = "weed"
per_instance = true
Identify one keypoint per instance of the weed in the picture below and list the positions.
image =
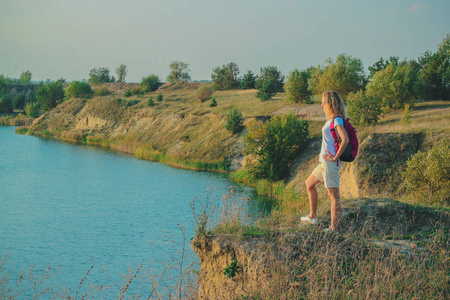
(232, 270)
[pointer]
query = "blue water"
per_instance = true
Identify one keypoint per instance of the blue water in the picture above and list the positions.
(77, 206)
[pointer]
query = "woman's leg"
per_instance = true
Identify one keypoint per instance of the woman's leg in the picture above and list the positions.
(311, 183)
(335, 207)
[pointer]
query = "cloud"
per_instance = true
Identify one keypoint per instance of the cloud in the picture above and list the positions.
(414, 7)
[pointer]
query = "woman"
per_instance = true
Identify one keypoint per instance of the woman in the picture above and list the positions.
(329, 164)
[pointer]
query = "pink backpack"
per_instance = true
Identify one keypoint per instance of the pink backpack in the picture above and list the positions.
(352, 148)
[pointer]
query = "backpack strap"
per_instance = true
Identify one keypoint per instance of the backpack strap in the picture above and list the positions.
(333, 130)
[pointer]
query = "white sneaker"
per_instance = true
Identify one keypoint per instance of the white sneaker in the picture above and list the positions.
(329, 230)
(307, 219)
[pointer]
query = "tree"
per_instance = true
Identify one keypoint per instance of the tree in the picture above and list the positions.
(121, 72)
(235, 121)
(248, 81)
(150, 83)
(296, 86)
(381, 65)
(226, 77)
(213, 102)
(344, 76)
(267, 90)
(394, 86)
(6, 104)
(160, 97)
(274, 145)
(427, 174)
(179, 71)
(100, 75)
(363, 109)
(25, 77)
(32, 109)
(79, 90)
(270, 73)
(19, 101)
(49, 95)
(434, 76)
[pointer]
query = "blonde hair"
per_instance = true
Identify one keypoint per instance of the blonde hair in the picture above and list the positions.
(335, 105)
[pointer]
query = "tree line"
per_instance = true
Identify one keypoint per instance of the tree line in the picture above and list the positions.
(390, 84)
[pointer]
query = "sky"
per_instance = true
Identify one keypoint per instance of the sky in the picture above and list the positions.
(68, 38)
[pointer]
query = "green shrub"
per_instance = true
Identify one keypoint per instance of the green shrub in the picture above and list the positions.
(102, 91)
(32, 109)
(160, 97)
(127, 93)
(100, 75)
(150, 102)
(79, 89)
(150, 83)
(19, 101)
(274, 144)
(6, 104)
(226, 77)
(204, 93)
(213, 102)
(248, 81)
(267, 90)
(346, 75)
(296, 86)
(50, 94)
(235, 121)
(406, 116)
(427, 174)
(394, 86)
(272, 74)
(363, 109)
(232, 270)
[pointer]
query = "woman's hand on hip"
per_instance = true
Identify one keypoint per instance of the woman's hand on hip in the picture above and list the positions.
(329, 157)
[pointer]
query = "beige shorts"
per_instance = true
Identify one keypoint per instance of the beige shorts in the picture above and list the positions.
(328, 173)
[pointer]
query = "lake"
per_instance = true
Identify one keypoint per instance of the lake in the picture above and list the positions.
(76, 206)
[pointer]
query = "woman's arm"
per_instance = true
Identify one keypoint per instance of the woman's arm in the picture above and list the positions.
(344, 142)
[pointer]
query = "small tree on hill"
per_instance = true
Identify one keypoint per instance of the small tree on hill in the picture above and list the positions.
(296, 86)
(150, 83)
(226, 77)
(121, 72)
(248, 81)
(274, 145)
(426, 175)
(127, 93)
(363, 109)
(235, 121)
(267, 90)
(50, 95)
(272, 74)
(25, 77)
(150, 102)
(160, 97)
(79, 89)
(394, 86)
(32, 109)
(178, 72)
(213, 102)
(346, 75)
(100, 75)
(381, 65)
